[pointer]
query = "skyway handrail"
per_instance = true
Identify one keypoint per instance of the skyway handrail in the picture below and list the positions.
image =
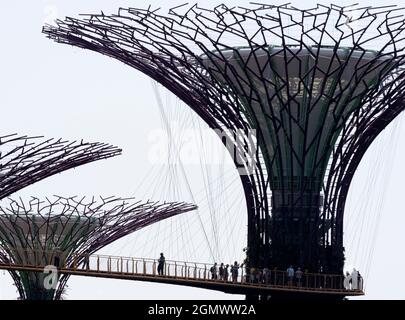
(184, 270)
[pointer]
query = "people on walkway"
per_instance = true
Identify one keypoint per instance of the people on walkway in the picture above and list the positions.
(87, 260)
(252, 275)
(298, 276)
(214, 272)
(259, 276)
(360, 281)
(266, 275)
(226, 272)
(346, 281)
(290, 275)
(355, 279)
(57, 257)
(221, 272)
(234, 272)
(161, 264)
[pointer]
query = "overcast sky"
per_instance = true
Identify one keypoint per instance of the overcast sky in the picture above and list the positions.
(60, 91)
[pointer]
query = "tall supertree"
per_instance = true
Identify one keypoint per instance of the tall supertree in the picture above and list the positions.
(313, 87)
(26, 160)
(33, 232)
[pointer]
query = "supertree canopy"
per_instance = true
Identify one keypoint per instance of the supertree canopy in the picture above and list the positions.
(26, 160)
(314, 87)
(33, 232)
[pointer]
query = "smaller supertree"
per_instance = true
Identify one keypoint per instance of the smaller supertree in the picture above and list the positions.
(26, 160)
(31, 232)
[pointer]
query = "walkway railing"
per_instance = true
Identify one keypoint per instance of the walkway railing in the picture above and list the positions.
(190, 271)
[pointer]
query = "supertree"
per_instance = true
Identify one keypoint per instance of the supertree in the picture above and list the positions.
(33, 232)
(300, 95)
(26, 160)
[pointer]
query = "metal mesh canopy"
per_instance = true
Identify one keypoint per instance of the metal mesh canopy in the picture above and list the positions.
(26, 160)
(317, 85)
(31, 232)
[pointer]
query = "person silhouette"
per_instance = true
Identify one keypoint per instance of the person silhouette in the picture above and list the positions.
(346, 281)
(56, 257)
(161, 264)
(355, 279)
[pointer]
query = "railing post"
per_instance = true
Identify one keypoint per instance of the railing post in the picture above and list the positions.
(122, 265)
(175, 269)
(144, 266)
(136, 267)
(133, 266)
(98, 263)
(154, 268)
(195, 271)
(241, 276)
(205, 272)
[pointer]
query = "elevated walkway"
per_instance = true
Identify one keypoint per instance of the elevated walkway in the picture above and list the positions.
(196, 275)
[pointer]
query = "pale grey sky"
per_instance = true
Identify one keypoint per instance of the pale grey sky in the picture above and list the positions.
(60, 91)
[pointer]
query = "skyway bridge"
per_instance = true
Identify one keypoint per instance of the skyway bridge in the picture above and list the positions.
(195, 274)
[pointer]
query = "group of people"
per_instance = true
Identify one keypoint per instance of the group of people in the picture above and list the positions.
(253, 275)
(294, 276)
(256, 275)
(225, 272)
(353, 281)
(222, 272)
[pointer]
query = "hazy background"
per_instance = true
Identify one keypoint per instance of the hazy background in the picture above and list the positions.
(60, 91)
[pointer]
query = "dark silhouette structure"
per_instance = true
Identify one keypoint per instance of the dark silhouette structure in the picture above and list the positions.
(298, 94)
(64, 231)
(26, 160)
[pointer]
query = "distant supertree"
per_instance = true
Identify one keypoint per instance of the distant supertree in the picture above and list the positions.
(26, 160)
(313, 86)
(33, 232)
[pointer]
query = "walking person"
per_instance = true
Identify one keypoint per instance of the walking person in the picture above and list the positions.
(221, 272)
(87, 260)
(56, 257)
(226, 273)
(214, 271)
(360, 281)
(259, 276)
(346, 281)
(266, 275)
(298, 276)
(234, 272)
(355, 279)
(290, 275)
(252, 275)
(161, 264)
